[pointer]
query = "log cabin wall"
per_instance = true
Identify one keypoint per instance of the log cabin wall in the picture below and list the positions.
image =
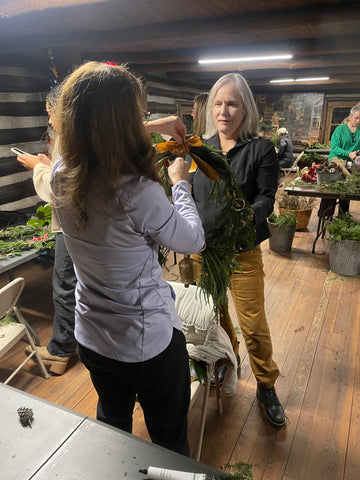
(165, 96)
(23, 123)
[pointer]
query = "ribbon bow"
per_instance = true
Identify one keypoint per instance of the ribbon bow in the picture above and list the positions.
(181, 149)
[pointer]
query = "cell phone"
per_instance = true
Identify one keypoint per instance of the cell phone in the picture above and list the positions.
(17, 151)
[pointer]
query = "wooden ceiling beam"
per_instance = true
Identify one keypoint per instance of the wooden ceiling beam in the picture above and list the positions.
(243, 30)
(299, 47)
(314, 63)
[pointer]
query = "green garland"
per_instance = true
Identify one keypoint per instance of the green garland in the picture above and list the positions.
(348, 186)
(233, 228)
(36, 234)
(42, 239)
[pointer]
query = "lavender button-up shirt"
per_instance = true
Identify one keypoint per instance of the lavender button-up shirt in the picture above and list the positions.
(124, 309)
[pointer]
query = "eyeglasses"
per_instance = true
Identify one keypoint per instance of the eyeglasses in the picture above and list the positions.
(146, 116)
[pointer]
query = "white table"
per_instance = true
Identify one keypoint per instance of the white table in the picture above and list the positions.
(65, 445)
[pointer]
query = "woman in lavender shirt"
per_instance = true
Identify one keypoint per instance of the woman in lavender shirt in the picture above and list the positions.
(114, 215)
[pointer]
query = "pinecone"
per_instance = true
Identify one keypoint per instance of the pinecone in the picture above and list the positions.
(26, 416)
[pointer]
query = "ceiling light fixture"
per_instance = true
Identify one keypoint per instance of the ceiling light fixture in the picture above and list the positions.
(311, 79)
(245, 59)
(308, 79)
(283, 80)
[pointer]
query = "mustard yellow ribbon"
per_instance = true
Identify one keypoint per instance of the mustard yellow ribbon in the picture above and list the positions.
(180, 150)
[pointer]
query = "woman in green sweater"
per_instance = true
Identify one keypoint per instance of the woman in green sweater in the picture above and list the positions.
(345, 142)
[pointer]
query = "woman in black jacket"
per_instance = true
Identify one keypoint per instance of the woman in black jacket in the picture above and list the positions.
(231, 126)
(285, 151)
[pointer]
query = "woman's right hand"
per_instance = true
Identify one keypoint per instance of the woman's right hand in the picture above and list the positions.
(178, 170)
(352, 155)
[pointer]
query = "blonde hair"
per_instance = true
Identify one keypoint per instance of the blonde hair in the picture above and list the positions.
(101, 137)
(355, 108)
(249, 126)
(282, 131)
(200, 114)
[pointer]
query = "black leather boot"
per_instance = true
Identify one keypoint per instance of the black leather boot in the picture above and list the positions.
(273, 409)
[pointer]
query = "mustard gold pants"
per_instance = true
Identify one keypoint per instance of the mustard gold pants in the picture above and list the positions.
(247, 291)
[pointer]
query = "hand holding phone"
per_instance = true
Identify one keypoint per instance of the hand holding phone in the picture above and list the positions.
(28, 161)
(17, 151)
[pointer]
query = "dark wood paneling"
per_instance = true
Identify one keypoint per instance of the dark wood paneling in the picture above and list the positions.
(17, 191)
(12, 83)
(162, 108)
(168, 92)
(9, 166)
(22, 109)
(21, 135)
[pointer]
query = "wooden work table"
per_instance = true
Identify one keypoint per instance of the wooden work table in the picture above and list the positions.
(327, 206)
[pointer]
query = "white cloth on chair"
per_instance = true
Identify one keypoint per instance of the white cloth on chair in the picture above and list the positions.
(217, 346)
(207, 340)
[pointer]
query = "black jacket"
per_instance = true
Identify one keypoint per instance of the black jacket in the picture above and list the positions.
(256, 168)
(285, 153)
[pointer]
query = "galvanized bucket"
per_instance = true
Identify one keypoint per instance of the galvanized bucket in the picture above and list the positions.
(344, 257)
(326, 177)
(281, 238)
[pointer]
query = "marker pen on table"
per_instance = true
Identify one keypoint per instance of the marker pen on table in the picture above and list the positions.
(155, 473)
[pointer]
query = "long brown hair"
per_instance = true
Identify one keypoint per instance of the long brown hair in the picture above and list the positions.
(102, 137)
(200, 113)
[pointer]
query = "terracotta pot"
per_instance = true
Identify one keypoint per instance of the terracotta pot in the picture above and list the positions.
(302, 217)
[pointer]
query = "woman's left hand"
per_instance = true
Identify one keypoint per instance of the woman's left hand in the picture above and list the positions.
(172, 126)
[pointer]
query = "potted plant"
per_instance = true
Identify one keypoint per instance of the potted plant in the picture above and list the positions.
(301, 207)
(282, 229)
(344, 245)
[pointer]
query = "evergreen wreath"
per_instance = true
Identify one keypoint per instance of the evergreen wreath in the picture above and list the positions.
(233, 228)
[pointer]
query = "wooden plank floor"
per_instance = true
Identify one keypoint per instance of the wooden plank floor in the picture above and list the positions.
(314, 319)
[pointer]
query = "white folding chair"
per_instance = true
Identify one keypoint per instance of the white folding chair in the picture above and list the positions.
(197, 318)
(11, 333)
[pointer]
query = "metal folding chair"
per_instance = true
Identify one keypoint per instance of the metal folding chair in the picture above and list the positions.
(11, 333)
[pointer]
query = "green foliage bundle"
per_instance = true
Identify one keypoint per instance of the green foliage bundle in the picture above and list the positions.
(233, 229)
(284, 220)
(6, 320)
(43, 216)
(238, 471)
(343, 228)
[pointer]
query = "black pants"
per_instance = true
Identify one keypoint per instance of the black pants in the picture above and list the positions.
(344, 206)
(162, 385)
(62, 342)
